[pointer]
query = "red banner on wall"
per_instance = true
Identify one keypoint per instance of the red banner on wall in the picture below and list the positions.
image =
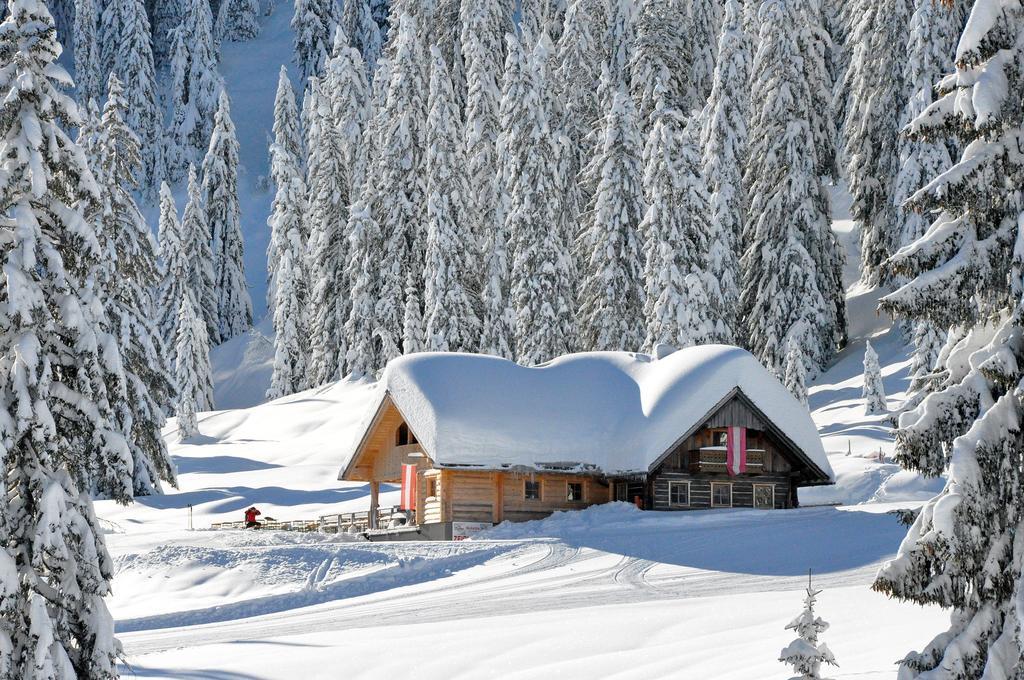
(408, 487)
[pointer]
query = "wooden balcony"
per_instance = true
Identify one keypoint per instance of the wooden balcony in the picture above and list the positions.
(714, 459)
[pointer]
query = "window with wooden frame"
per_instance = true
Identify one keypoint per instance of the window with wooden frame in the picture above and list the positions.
(431, 487)
(574, 492)
(764, 496)
(531, 490)
(721, 495)
(679, 494)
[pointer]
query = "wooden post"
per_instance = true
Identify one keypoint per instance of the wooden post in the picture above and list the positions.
(374, 491)
(498, 504)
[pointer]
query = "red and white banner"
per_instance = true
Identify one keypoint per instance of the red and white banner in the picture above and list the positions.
(408, 487)
(736, 450)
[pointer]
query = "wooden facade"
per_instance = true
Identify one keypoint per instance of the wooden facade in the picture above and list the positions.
(690, 475)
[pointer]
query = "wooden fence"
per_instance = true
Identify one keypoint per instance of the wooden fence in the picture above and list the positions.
(343, 522)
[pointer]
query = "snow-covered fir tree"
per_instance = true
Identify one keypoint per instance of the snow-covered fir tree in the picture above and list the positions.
(195, 85)
(873, 392)
(195, 239)
(362, 32)
(962, 550)
(238, 20)
(175, 269)
(482, 47)
(496, 321)
(661, 56)
(611, 303)
(363, 358)
(128, 286)
(677, 304)
(928, 341)
(807, 653)
(133, 63)
(787, 216)
(930, 45)
(60, 437)
(450, 319)
(313, 24)
(796, 369)
(576, 79)
(290, 340)
(164, 18)
(289, 206)
(540, 287)
(88, 68)
(412, 319)
(399, 187)
(338, 168)
(704, 23)
(815, 48)
(223, 218)
(724, 143)
(871, 129)
(192, 369)
(619, 39)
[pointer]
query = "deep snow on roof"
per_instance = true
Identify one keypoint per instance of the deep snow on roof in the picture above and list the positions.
(616, 411)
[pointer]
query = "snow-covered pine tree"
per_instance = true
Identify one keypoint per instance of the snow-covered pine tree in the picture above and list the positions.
(165, 17)
(60, 438)
(871, 129)
(796, 370)
(192, 370)
(963, 551)
(175, 268)
(619, 39)
(133, 63)
(806, 654)
(677, 305)
(339, 164)
(704, 23)
(238, 20)
(313, 24)
(111, 12)
(362, 32)
(928, 341)
(88, 75)
(399, 187)
(195, 239)
(223, 218)
(128, 287)
(450, 318)
(412, 318)
(786, 216)
(363, 264)
(815, 48)
(661, 56)
(540, 287)
(482, 48)
(289, 206)
(874, 391)
(611, 297)
(290, 339)
(576, 79)
(724, 143)
(195, 84)
(930, 46)
(496, 322)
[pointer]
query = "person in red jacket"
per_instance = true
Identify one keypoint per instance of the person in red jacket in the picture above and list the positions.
(250, 518)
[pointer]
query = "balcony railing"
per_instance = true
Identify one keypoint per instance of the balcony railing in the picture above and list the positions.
(715, 459)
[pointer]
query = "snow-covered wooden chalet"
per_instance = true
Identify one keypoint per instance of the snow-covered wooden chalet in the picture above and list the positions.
(481, 440)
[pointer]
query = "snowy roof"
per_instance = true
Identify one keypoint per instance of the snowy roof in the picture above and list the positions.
(617, 412)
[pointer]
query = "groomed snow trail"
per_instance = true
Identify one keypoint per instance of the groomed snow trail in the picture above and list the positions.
(432, 582)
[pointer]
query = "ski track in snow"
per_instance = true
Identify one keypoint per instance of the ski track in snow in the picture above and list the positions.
(486, 579)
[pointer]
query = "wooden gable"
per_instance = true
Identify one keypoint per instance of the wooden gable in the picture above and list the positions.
(737, 410)
(379, 456)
